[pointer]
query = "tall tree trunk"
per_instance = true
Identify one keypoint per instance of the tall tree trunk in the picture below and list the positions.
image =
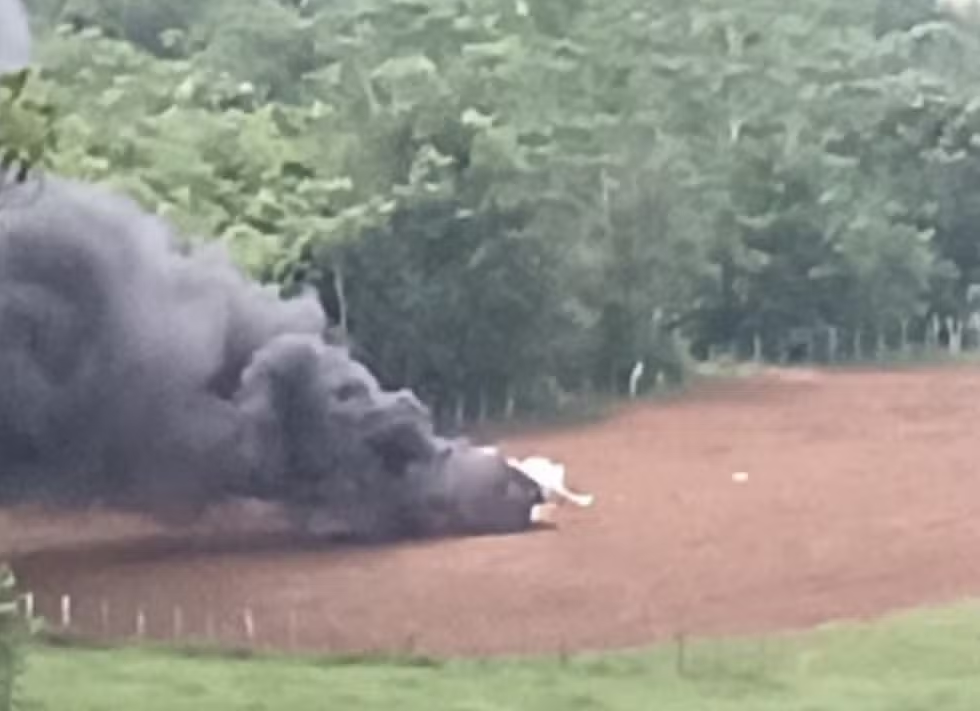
(955, 328)
(483, 405)
(370, 96)
(460, 412)
(635, 376)
(589, 388)
(340, 292)
(935, 325)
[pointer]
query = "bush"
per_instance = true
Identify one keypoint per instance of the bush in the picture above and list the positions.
(14, 630)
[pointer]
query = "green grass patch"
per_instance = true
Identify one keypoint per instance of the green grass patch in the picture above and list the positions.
(922, 661)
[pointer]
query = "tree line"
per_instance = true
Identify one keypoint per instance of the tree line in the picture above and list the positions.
(509, 203)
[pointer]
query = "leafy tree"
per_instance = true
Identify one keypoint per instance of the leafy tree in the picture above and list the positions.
(26, 126)
(502, 202)
(903, 15)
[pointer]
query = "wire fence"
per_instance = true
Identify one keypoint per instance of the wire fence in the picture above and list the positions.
(104, 619)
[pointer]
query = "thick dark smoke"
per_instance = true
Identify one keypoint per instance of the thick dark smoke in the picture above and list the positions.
(15, 37)
(140, 373)
(136, 372)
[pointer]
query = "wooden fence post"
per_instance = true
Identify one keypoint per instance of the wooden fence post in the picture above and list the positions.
(140, 623)
(178, 623)
(104, 616)
(248, 620)
(293, 625)
(66, 611)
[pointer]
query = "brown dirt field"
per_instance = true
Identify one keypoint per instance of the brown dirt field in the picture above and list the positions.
(862, 498)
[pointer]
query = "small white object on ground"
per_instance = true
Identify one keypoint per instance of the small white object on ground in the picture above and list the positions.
(740, 477)
(550, 476)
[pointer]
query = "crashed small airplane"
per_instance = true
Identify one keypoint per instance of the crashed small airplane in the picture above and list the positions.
(550, 478)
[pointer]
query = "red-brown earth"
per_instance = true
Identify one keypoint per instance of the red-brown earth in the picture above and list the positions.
(862, 496)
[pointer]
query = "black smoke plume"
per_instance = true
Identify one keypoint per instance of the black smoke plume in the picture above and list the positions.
(141, 373)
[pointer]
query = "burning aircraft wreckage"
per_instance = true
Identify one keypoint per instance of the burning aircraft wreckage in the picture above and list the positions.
(146, 375)
(143, 374)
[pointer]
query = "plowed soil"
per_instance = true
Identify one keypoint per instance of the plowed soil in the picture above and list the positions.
(862, 497)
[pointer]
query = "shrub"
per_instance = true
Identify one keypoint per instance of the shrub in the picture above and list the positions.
(14, 630)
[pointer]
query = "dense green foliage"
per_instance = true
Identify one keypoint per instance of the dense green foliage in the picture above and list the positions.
(26, 126)
(927, 660)
(504, 201)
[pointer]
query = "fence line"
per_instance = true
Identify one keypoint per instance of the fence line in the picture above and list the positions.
(103, 619)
